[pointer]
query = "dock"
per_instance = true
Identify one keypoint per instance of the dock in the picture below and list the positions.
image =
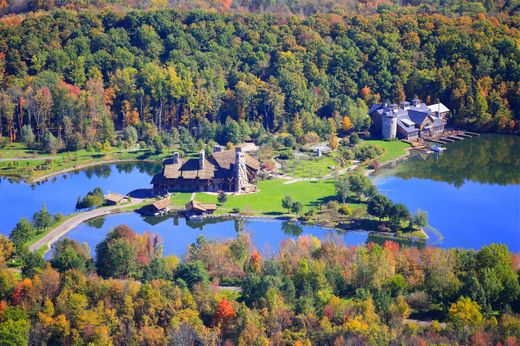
(437, 141)
(472, 133)
(457, 138)
(464, 135)
(451, 136)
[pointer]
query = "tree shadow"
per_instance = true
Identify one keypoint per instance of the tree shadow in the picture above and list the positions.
(273, 213)
(141, 193)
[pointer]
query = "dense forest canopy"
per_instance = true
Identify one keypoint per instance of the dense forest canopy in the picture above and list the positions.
(297, 7)
(72, 78)
(309, 293)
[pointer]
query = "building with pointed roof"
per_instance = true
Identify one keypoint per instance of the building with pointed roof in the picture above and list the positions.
(409, 120)
(225, 170)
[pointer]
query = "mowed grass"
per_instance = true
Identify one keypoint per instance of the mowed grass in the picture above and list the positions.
(179, 199)
(268, 201)
(314, 167)
(35, 164)
(394, 149)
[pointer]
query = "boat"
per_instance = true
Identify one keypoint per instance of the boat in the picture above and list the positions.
(437, 149)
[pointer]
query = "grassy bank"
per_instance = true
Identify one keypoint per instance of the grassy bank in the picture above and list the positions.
(179, 199)
(268, 201)
(394, 149)
(18, 161)
(314, 167)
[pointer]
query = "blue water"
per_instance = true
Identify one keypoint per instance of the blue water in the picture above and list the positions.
(177, 234)
(471, 192)
(18, 199)
(469, 216)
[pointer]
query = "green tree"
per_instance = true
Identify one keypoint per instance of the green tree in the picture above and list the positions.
(42, 218)
(342, 185)
(23, 231)
(361, 185)
(69, 254)
(420, 219)
(379, 206)
(14, 327)
(192, 273)
(50, 143)
(296, 208)
(287, 203)
(28, 136)
(33, 263)
(398, 213)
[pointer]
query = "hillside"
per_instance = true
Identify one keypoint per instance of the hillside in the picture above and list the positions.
(78, 76)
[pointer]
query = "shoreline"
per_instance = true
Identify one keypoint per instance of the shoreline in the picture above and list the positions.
(75, 221)
(79, 168)
(59, 231)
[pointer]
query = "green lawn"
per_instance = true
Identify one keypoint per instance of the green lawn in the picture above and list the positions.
(314, 167)
(268, 201)
(31, 169)
(179, 199)
(394, 149)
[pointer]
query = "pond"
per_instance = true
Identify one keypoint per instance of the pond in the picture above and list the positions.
(471, 191)
(178, 233)
(59, 194)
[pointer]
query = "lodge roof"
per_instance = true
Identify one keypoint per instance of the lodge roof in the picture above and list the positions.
(217, 166)
(417, 116)
(189, 169)
(438, 107)
(115, 197)
(161, 204)
(193, 204)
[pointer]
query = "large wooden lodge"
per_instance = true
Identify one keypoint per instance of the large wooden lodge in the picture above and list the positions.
(225, 170)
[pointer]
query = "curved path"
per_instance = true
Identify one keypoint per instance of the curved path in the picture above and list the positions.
(77, 220)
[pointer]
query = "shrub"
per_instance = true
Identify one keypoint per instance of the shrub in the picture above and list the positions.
(345, 210)
(311, 138)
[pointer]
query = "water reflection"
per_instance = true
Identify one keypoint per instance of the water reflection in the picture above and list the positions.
(471, 192)
(488, 159)
(178, 233)
(18, 199)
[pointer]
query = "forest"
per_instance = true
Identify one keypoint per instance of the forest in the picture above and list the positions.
(83, 78)
(227, 293)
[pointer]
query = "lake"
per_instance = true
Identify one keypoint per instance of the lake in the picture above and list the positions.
(471, 191)
(18, 199)
(178, 233)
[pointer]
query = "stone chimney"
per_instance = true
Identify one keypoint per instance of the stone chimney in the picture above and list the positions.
(202, 158)
(175, 157)
(241, 180)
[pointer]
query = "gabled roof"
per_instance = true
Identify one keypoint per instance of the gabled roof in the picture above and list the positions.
(374, 108)
(189, 169)
(193, 204)
(438, 107)
(417, 116)
(115, 197)
(226, 158)
(219, 165)
(162, 204)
